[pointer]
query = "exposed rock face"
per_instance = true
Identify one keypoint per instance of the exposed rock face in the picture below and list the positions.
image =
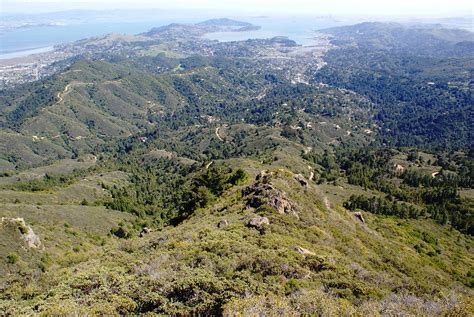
(31, 239)
(145, 231)
(262, 192)
(264, 177)
(359, 216)
(258, 223)
(303, 250)
(281, 203)
(223, 223)
(399, 169)
(300, 178)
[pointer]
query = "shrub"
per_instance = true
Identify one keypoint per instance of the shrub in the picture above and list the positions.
(120, 232)
(12, 258)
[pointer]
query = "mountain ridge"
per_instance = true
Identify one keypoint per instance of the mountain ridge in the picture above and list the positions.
(173, 175)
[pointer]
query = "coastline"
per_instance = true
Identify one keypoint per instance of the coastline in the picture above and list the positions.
(25, 53)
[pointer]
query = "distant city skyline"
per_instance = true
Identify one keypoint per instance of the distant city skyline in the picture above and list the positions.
(316, 7)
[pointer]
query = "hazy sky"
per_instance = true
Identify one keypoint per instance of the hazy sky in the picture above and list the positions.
(336, 7)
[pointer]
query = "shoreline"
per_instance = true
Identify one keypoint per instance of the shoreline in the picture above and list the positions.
(25, 53)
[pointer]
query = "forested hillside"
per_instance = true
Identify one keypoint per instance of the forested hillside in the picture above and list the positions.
(173, 175)
(420, 80)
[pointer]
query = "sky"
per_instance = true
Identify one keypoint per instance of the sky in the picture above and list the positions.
(310, 7)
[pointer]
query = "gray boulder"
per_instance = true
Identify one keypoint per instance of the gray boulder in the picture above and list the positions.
(223, 223)
(258, 223)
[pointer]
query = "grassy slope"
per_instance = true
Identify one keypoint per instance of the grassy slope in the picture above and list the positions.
(198, 267)
(98, 101)
(385, 265)
(70, 233)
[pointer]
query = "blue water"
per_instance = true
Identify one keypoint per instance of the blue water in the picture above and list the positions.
(27, 52)
(299, 29)
(30, 38)
(24, 41)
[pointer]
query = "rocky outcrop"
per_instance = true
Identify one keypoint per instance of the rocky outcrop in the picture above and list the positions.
(303, 250)
(262, 192)
(31, 239)
(258, 223)
(223, 223)
(398, 169)
(264, 177)
(300, 178)
(145, 231)
(359, 216)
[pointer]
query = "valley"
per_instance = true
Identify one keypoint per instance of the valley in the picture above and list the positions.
(169, 174)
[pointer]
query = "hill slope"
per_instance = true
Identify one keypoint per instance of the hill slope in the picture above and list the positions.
(307, 256)
(165, 174)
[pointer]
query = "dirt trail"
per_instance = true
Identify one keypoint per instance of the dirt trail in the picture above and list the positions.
(61, 94)
(311, 173)
(327, 204)
(72, 71)
(263, 94)
(218, 136)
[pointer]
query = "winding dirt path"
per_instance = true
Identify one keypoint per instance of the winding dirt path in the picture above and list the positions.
(218, 136)
(61, 94)
(311, 173)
